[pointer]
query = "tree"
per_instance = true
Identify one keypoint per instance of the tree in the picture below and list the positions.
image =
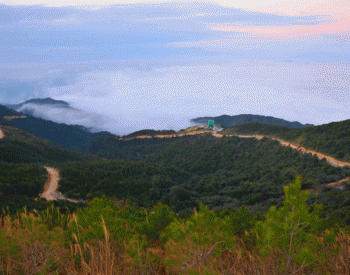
(292, 229)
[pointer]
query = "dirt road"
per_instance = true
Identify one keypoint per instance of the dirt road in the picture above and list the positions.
(170, 136)
(51, 186)
(9, 118)
(2, 135)
(330, 160)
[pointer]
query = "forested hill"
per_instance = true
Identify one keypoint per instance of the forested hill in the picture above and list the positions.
(228, 121)
(62, 134)
(331, 139)
(20, 146)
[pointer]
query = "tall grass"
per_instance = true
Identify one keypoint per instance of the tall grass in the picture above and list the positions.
(38, 243)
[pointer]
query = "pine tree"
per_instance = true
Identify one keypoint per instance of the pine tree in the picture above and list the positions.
(292, 229)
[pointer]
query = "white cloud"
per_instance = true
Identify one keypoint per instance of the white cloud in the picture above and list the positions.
(192, 91)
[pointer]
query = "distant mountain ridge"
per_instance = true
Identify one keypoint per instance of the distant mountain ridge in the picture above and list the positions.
(40, 101)
(228, 121)
(62, 134)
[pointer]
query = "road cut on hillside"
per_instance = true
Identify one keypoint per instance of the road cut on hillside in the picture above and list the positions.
(2, 135)
(51, 186)
(170, 136)
(330, 160)
(9, 118)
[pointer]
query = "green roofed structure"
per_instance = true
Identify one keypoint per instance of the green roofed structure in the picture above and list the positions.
(210, 123)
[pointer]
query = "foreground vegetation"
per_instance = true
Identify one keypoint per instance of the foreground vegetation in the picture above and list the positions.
(112, 237)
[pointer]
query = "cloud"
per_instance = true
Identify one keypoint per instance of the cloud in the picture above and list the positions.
(135, 64)
(199, 90)
(65, 115)
(337, 8)
(10, 15)
(331, 79)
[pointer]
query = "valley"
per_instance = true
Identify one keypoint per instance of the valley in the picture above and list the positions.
(150, 184)
(51, 186)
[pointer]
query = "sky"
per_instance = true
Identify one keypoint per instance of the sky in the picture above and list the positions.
(154, 65)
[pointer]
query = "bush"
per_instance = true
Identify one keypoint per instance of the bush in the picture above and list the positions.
(156, 221)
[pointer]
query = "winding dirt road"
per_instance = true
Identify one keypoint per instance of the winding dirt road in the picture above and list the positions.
(51, 186)
(330, 160)
(9, 118)
(2, 135)
(170, 136)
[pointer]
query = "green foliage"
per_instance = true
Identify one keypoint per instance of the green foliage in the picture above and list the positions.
(31, 230)
(52, 217)
(19, 184)
(202, 230)
(123, 223)
(292, 228)
(87, 225)
(156, 221)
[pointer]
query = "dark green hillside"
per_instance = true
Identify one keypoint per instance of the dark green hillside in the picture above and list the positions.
(143, 182)
(225, 172)
(112, 147)
(332, 139)
(24, 180)
(4, 111)
(228, 121)
(20, 146)
(59, 133)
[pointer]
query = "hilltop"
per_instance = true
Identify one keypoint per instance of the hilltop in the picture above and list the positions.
(39, 101)
(228, 121)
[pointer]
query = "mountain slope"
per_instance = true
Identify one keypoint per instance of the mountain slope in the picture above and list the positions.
(19, 146)
(228, 121)
(62, 134)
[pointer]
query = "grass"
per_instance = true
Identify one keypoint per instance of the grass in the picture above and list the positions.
(31, 245)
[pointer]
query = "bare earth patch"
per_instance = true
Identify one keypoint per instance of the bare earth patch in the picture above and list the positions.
(2, 135)
(51, 187)
(9, 118)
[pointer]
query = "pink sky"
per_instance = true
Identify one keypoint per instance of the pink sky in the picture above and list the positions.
(338, 9)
